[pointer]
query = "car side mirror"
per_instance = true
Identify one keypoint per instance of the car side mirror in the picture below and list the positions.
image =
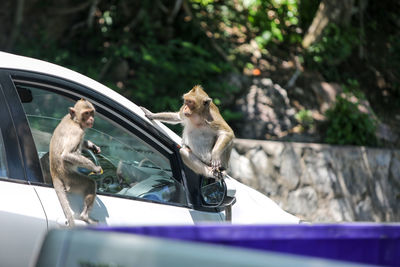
(216, 193)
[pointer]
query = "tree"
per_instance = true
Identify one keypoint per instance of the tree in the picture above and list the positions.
(338, 12)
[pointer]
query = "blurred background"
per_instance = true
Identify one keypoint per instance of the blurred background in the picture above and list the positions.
(308, 71)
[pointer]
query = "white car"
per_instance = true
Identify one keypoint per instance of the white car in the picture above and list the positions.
(144, 180)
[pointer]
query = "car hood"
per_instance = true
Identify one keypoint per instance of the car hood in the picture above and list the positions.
(252, 207)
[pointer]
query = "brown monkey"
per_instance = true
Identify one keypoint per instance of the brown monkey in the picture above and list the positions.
(65, 157)
(207, 138)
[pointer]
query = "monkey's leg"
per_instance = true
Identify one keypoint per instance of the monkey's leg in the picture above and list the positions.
(62, 196)
(89, 196)
(196, 164)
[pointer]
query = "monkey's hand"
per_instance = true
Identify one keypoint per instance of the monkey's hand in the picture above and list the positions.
(90, 145)
(216, 164)
(148, 113)
(218, 175)
(218, 170)
(96, 149)
(187, 148)
(97, 171)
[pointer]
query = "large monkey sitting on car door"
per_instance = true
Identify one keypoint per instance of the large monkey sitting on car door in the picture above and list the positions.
(207, 138)
(65, 157)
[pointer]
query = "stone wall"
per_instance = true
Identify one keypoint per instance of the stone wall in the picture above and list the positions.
(322, 183)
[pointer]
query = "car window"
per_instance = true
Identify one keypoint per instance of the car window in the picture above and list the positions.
(3, 166)
(132, 167)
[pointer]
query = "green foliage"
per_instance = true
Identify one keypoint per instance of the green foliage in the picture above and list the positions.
(163, 63)
(307, 11)
(166, 71)
(304, 117)
(162, 56)
(347, 125)
(336, 46)
(273, 20)
(203, 2)
(394, 62)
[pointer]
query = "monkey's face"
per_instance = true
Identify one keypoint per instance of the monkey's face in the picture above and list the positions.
(83, 113)
(196, 102)
(87, 118)
(189, 107)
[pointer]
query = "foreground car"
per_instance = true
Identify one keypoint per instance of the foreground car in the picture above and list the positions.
(219, 246)
(344, 244)
(144, 180)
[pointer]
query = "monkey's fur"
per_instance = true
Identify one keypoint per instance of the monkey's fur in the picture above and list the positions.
(207, 138)
(65, 157)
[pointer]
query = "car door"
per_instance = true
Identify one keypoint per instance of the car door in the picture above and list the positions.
(143, 181)
(23, 221)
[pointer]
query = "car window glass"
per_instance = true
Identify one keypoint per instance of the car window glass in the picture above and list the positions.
(3, 166)
(131, 167)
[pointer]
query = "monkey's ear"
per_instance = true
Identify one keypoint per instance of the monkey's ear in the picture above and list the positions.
(72, 112)
(207, 101)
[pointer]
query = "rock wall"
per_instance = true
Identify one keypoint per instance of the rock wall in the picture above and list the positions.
(322, 183)
(260, 113)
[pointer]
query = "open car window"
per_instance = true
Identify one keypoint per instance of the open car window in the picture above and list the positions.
(132, 167)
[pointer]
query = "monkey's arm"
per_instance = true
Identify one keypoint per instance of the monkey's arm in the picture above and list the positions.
(222, 145)
(196, 164)
(90, 145)
(168, 117)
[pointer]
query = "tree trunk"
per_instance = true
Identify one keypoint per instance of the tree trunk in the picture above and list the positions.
(329, 11)
(19, 16)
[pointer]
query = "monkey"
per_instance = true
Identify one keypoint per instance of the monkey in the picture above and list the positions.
(65, 157)
(207, 139)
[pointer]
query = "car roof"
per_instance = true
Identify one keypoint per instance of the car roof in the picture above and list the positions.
(16, 62)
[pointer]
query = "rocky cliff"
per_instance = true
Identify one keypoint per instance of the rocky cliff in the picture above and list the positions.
(322, 183)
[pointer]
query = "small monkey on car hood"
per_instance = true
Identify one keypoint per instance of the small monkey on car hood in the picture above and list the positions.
(207, 138)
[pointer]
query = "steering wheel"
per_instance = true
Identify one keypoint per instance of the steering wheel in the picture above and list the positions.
(143, 161)
(107, 181)
(90, 154)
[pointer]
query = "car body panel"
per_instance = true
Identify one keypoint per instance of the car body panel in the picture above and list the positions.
(111, 210)
(252, 207)
(91, 247)
(23, 224)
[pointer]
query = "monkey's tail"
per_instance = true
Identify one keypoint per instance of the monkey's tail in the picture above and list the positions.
(62, 196)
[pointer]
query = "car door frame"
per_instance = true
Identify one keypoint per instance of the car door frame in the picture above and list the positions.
(19, 141)
(20, 204)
